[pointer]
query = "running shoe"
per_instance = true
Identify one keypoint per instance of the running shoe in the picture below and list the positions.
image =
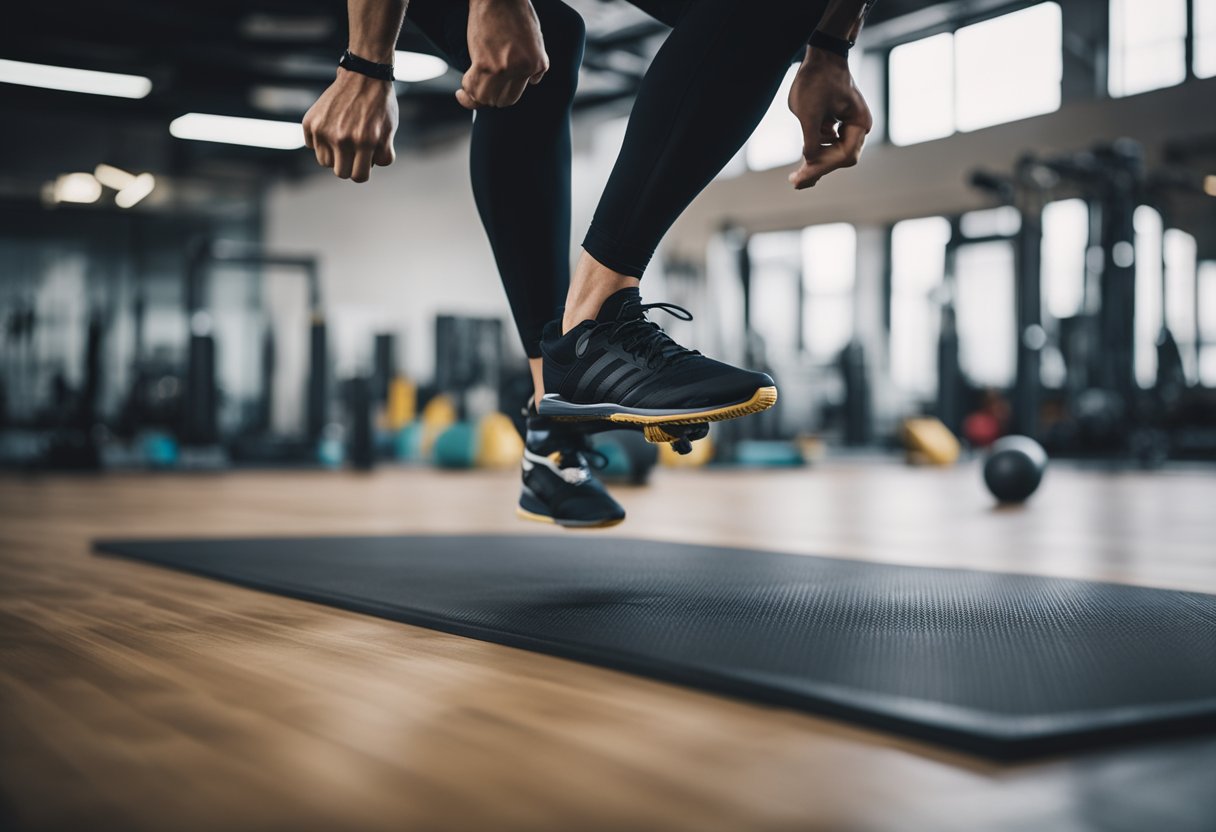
(624, 368)
(559, 484)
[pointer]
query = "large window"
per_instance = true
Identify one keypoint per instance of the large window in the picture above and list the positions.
(776, 275)
(988, 73)
(1147, 44)
(829, 268)
(1207, 323)
(918, 266)
(1148, 293)
(1179, 250)
(777, 139)
(1008, 68)
(984, 307)
(1204, 64)
(921, 89)
(1065, 242)
(802, 290)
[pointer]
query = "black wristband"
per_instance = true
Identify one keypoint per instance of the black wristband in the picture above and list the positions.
(351, 61)
(830, 43)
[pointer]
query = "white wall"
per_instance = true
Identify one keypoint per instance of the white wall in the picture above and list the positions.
(394, 252)
(408, 245)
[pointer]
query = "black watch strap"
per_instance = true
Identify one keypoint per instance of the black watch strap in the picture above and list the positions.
(830, 43)
(351, 61)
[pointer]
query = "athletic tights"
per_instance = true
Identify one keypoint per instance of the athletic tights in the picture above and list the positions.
(703, 95)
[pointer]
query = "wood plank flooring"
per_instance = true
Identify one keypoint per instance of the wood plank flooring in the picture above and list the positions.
(137, 698)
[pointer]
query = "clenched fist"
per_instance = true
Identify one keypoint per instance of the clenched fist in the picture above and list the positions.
(507, 50)
(351, 127)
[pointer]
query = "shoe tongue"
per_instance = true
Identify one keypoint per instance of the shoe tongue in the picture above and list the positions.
(618, 306)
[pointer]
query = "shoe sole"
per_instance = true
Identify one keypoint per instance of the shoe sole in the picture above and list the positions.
(653, 420)
(524, 514)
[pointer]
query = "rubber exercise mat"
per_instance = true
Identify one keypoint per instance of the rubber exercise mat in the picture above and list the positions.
(997, 664)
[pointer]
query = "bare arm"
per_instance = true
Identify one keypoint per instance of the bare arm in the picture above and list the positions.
(351, 127)
(835, 117)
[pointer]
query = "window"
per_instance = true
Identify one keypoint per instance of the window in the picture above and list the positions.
(921, 85)
(777, 139)
(1065, 241)
(1148, 293)
(1147, 45)
(776, 270)
(1179, 248)
(829, 266)
(984, 306)
(1004, 221)
(1204, 22)
(802, 289)
(1008, 68)
(988, 73)
(1207, 323)
(918, 265)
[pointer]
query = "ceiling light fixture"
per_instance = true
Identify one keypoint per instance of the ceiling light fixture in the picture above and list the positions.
(139, 188)
(113, 177)
(81, 188)
(74, 80)
(416, 66)
(253, 132)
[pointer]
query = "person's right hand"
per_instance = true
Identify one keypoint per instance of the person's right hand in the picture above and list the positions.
(507, 50)
(351, 126)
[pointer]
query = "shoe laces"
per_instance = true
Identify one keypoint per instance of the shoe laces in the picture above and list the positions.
(646, 339)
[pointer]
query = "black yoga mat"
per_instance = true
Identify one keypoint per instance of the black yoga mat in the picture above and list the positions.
(997, 664)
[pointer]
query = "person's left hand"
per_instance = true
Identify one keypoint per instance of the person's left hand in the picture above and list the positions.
(835, 118)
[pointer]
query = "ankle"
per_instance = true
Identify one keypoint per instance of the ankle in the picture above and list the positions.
(591, 284)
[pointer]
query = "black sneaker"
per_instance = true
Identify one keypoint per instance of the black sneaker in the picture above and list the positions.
(624, 368)
(558, 483)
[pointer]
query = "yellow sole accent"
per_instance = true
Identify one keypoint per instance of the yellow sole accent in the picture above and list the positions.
(762, 399)
(524, 514)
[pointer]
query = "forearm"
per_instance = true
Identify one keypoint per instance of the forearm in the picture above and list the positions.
(374, 27)
(842, 19)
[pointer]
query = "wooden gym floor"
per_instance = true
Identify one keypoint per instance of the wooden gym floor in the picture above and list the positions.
(137, 698)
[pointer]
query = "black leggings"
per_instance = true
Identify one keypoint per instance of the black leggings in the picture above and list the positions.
(707, 88)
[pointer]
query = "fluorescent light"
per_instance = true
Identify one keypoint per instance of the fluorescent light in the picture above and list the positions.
(415, 66)
(74, 80)
(139, 188)
(255, 132)
(113, 177)
(77, 187)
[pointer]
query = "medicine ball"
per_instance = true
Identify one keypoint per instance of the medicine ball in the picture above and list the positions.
(1014, 468)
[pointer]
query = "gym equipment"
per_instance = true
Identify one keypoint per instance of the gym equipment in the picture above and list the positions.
(401, 405)
(1017, 665)
(929, 441)
(490, 443)
(498, 443)
(199, 410)
(456, 446)
(1014, 468)
(438, 415)
(768, 453)
(359, 395)
(1100, 409)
